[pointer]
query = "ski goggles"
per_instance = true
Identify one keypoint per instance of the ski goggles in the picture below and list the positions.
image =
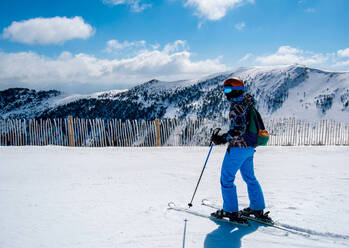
(228, 89)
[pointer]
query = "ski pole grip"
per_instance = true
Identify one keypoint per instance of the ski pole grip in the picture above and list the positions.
(215, 132)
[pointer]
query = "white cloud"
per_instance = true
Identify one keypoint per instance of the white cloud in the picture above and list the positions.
(176, 46)
(86, 73)
(290, 55)
(240, 26)
(115, 45)
(342, 64)
(343, 52)
(286, 55)
(288, 50)
(214, 9)
(136, 5)
(246, 57)
(45, 31)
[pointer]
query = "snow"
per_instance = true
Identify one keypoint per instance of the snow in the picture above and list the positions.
(31, 110)
(117, 197)
(301, 96)
(160, 86)
(66, 99)
(316, 84)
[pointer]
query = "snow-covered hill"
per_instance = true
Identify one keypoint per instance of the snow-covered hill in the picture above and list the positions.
(281, 91)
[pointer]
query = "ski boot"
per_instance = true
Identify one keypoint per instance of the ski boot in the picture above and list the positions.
(258, 214)
(232, 216)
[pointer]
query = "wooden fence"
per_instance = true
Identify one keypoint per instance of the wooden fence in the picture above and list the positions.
(165, 132)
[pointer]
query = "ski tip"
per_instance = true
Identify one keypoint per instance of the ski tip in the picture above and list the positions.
(204, 201)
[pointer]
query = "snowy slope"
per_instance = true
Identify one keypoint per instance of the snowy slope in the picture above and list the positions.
(299, 91)
(281, 91)
(117, 197)
(25, 103)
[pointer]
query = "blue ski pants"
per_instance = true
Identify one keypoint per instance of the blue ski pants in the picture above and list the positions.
(240, 158)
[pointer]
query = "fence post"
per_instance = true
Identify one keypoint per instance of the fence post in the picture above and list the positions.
(157, 128)
(71, 131)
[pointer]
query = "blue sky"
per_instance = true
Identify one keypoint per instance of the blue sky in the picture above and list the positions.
(92, 45)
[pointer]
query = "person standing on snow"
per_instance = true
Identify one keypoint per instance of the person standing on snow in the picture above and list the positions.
(239, 156)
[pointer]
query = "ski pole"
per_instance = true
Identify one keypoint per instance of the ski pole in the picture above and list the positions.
(185, 232)
(216, 131)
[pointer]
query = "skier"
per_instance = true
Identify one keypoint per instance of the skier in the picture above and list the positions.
(239, 156)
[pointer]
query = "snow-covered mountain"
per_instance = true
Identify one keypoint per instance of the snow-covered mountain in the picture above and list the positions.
(280, 91)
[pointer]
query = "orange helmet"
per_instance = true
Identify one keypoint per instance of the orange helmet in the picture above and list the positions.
(234, 82)
(233, 87)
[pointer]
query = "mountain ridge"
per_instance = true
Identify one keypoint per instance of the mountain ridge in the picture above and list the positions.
(280, 91)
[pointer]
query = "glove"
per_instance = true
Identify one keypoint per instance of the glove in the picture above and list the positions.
(219, 139)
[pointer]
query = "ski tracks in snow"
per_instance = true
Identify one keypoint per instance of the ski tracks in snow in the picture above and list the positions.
(313, 232)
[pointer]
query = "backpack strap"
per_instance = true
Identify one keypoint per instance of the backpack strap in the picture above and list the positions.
(259, 122)
(252, 118)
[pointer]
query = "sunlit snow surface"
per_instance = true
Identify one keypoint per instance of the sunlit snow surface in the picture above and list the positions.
(117, 197)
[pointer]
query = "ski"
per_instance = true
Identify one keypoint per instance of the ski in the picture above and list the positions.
(173, 206)
(207, 203)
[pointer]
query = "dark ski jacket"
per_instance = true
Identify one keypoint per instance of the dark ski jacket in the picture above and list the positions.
(238, 120)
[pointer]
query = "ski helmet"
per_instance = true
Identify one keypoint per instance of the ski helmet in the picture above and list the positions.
(233, 88)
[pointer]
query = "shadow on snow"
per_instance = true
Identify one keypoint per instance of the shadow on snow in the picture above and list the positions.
(228, 235)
